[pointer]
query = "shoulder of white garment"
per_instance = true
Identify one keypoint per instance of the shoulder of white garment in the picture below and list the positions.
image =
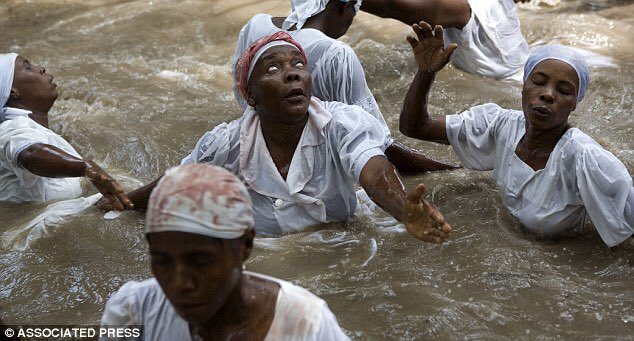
(303, 316)
(223, 137)
(123, 307)
(592, 157)
(23, 131)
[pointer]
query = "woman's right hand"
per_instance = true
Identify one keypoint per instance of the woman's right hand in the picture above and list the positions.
(429, 49)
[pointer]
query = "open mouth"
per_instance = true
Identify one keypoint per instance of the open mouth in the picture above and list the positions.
(295, 94)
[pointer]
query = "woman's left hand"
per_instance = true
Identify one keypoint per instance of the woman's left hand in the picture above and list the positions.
(422, 220)
(107, 186)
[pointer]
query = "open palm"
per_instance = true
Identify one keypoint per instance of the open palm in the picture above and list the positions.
(422, 220)
(429, 49)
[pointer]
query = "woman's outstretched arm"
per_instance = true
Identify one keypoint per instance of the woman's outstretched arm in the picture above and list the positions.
(383, 184)
(51, 162)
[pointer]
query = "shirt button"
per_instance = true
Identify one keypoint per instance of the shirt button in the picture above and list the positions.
(279, 203)
(319, 202)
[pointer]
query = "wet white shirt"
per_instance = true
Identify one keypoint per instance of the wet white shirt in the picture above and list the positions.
(299, 315)
(336, 143)
(16, 183)
(580, 176)
(491, 44)
(336, 71)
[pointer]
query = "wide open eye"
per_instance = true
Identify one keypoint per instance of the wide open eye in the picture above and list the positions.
(299, 64)
(272, 68)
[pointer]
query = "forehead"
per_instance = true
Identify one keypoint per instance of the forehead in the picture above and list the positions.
(558, 70)
(174, 242)
(280, 52)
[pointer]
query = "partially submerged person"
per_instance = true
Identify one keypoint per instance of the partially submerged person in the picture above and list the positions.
(36, 164)
(550, 174)
(487, 31)
(336, 72)
(200, 232)
(300, 157)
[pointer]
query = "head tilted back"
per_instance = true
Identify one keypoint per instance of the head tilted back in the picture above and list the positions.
(250, 57)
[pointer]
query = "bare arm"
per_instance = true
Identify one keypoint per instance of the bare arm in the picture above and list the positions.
(431, 56)
(51, 162)
(447, 13)
(383, 184)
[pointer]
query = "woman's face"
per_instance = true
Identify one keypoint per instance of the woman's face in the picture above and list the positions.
(280, 85)
(33, 86)
(549, 94)
(197, 273)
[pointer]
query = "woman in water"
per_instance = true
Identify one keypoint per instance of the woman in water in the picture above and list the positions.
(550, 174)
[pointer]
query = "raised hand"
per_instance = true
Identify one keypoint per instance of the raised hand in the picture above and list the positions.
(107, 186)
(422, 220)
(429, 49)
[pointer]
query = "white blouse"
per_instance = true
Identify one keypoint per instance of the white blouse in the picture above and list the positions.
(491, 44)
(16, 183)
(336, 143)
(299, 315)
(337, 73)
(580, 176)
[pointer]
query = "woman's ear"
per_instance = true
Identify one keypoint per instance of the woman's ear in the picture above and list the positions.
(248, 243)
(14, 95)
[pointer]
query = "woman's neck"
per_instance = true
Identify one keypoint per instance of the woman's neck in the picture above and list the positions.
(40, 117)
(248, 311)
(536, 139)
(281, 140)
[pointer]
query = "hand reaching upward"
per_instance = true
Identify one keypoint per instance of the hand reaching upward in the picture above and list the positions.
(429, 49)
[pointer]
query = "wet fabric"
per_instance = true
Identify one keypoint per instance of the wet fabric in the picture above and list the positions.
(336, 143)
(7, 69)
(336, 72)
(491, 44)
(299, 315)
(16, 183)
(301, 10)
(580, 176)
(186, 200)
(566, 55)
(247, 60)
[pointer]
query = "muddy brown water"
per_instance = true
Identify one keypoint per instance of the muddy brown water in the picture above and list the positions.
(141, 81)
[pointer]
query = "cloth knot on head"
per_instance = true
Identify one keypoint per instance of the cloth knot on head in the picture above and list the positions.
(7, 70)
(200, 199)
(566, 55)
(302, 10)
(250, 57)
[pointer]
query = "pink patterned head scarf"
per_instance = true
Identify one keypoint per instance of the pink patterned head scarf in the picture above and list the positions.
(250, 57)
(200, 199)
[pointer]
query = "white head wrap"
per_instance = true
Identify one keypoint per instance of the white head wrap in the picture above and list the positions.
(7, 69)
(261, 51)
(304, 9)
(566, 55)
(200, 199)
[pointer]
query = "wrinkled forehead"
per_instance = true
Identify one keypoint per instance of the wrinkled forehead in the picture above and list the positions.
(281, 53)
(554, 68)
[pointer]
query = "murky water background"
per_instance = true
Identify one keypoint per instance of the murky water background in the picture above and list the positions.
(141, 81)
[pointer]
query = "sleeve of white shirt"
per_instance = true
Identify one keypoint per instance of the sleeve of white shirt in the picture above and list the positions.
(356, 135)
(14, 138)
(214, 147)
(606, 190)
(121, 309)
(343, 80)
(473, 134)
